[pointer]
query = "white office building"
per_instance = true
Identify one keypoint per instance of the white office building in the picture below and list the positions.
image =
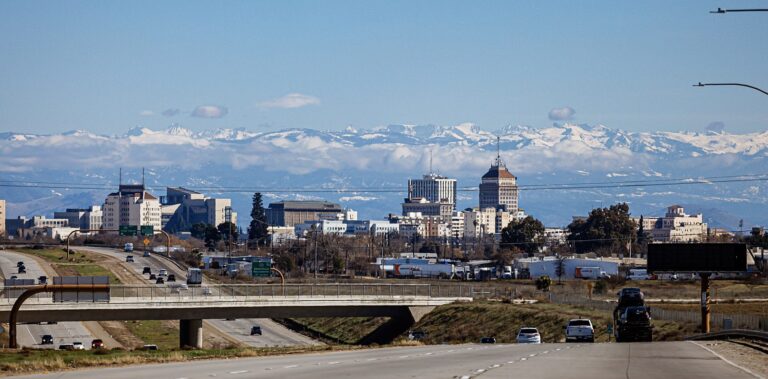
(83, 218)
(131, 205)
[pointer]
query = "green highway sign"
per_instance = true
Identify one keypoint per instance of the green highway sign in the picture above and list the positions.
(147, 230)
(128, 230)
(261, 268)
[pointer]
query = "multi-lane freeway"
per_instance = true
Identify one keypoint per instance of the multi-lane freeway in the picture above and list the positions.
(31, 334)
(679, 360)
(273, 334)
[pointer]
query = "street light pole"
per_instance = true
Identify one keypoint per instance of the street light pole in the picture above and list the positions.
(723, 11)
(730, 84)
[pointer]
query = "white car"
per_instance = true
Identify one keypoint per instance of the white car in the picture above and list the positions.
(162, 272)
(579, 330)
(528, 335)
(78, 346)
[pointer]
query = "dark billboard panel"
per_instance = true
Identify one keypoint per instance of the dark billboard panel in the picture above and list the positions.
(697, 257)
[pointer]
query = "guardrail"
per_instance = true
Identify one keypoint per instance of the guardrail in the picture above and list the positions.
(718, 320)
(240, 292)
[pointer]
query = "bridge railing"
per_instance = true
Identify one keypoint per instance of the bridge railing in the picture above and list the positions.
(247, 292)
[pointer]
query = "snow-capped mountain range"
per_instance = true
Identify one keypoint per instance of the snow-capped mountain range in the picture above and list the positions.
(389, 155)
(512, 137)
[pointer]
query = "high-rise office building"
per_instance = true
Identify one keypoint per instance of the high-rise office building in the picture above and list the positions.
(498, 188)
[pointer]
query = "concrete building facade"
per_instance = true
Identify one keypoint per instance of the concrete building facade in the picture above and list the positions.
(182, 208)
(291, 213)
(498, 188)
(434, 188)
(677, 226)
(131, 205)
(2, 218)
(82, 218)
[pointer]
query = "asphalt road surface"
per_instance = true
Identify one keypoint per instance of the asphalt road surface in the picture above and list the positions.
(679, 360)
(31, 334)
(273, 334)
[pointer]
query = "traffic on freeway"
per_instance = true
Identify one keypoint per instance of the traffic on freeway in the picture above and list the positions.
(680, 360)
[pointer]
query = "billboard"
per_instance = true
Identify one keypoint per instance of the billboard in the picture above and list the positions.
(697, 257)
(80, 296)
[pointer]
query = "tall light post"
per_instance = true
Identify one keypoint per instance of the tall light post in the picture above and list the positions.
(700, 84)
(723, 11)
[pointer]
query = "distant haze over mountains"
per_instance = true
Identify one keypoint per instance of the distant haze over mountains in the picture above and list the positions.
(373, 160)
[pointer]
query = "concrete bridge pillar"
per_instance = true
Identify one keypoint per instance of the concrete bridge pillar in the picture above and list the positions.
(191, 333)
(396, 325)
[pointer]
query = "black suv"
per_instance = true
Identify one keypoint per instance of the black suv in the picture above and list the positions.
(47, 340)
(255, 330)
(146, 270)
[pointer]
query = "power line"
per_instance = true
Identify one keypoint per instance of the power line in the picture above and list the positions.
(532, 187)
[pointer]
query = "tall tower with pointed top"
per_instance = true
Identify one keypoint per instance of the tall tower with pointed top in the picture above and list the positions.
(498, 188)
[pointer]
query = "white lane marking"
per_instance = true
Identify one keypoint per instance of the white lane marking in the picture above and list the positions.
(372, 359)
(466, 377)
(428, 353)
(511, 362)
(480, 370)
(558, 349)
(403, 356)
(451, 351)
(291, 366)
(531, 355)
(238, 372)
(496, 366)
(333, 363)
(748, 371)
(523, 359)
(545, 352)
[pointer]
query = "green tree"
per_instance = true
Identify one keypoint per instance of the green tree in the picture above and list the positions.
(606, 230)
(212, 237)
(228, 230)
(257, 229)
(527, 234)
(198, 230)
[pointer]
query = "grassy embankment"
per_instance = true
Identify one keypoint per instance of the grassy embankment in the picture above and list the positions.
(760, 309)
(14, 362)
(468, 322)
(79, 264)
(165, 334)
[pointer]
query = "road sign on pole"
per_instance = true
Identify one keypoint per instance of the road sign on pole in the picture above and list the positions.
(261, 268)
(128, 230)
(147, 230)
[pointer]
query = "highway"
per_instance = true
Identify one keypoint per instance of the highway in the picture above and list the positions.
(30, 334)
(679, 360)
(273, 334)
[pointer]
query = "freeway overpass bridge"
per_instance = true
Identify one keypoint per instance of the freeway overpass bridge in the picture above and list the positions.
(403, 304)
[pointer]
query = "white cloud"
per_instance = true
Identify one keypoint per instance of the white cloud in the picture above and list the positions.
(146, 113)
(357, 198)
(561, 114)
(210, 111)
(290, 101)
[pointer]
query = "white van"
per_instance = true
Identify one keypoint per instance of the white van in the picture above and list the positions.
(638, 274)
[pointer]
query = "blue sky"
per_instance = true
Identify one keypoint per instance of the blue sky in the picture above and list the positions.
(106, 66)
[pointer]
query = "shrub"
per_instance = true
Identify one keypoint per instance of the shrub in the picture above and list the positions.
(543, 283)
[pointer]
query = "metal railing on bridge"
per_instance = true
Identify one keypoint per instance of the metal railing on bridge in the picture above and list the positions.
(248, 292)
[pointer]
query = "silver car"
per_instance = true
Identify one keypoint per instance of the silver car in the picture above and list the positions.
(528, 335)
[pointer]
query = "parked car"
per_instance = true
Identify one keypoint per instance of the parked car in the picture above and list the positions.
(146, 270)
(146, 254)
(129, 259)
(98, 344)
(47, 339)
(162, 272)
(255, 330)
(171, 278)
(579, 330)
(66, 346)
(416, 335)
(151, 347)
(160, 280)
(78, 346)
(528, 335)
(488, 340)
